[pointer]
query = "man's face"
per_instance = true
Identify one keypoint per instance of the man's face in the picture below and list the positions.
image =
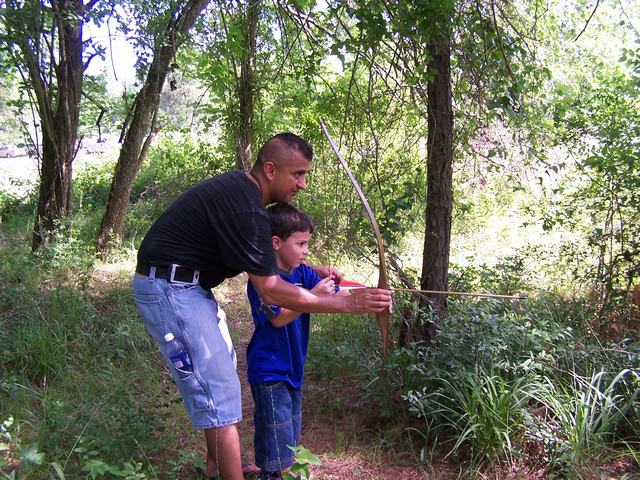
(288, 176)
(290, 253)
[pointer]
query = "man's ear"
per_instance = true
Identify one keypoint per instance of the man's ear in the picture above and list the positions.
(276, 242)
(269, 170)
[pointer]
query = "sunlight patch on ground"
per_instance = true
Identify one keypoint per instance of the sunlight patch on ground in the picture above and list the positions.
(18, 175)
(114, 273)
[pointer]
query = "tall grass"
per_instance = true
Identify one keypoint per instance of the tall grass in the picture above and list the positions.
(585, 414)
(479, 411)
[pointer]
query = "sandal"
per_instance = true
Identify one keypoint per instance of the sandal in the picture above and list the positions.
(249, 469)
(202, 475)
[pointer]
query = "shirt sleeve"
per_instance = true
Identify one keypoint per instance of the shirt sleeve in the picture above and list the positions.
(246, 244)
(309, 277)
(259, 311)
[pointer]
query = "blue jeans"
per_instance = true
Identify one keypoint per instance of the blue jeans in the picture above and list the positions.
(278, 420)
(211, 393)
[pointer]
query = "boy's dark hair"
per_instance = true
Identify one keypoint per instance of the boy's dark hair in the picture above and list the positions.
(288, 140)
(287, 219)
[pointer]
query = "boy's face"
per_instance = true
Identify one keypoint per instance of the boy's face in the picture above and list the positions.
(290, 253)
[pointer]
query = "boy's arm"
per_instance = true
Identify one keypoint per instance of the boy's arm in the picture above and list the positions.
(326, 286)
(324, 272)
(285, 317)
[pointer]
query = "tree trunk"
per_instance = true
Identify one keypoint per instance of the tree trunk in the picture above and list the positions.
(54, 195)
(146, 105)
(59, 127)
(246, 89)
(435, 262)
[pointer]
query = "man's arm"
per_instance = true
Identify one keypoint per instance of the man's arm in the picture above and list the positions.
(274, 290)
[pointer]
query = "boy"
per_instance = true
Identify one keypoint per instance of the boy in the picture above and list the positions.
(278, 348)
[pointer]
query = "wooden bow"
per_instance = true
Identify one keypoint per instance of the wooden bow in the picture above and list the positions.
(384, 317)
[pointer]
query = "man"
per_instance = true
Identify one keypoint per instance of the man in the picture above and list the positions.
(216, 230)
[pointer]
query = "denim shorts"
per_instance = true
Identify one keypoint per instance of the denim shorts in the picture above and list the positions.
(211, 393)
(278, 420)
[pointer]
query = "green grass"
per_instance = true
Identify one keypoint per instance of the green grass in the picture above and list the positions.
(79, 383)
(587, 415)
(480, 410)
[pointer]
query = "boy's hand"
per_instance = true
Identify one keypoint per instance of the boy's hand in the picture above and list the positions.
(326, 286)
(370, 300)
(328, 272)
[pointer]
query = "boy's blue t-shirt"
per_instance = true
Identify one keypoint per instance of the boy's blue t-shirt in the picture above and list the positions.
(278, 354)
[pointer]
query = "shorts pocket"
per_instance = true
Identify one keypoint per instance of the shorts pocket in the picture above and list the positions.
(152, 312)
(193, 393)
(278, 401)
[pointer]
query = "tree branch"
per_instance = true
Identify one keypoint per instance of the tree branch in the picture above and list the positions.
(504, 55)
(588, 20)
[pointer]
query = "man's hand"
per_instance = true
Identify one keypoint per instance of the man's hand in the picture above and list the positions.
(369, 300)
(326, 286)
(324, 272)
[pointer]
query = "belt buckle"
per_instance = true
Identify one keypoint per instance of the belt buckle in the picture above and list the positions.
(172, 273)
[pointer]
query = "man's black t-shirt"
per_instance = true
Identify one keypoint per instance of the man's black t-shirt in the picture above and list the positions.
(219, 227)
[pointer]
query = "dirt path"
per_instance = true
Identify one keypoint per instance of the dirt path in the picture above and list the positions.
(344, 434)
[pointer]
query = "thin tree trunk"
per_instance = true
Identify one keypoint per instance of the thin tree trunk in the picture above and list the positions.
(435, 263)
(146, 106)
(407, 314)
(246, 89)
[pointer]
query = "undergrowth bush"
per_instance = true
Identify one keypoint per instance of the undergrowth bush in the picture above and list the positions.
(16, 201)
(509, 276)
(77, 372)
(91, 186)
(504, 383)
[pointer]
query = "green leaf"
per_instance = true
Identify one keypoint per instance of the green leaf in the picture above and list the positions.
(31, 455)
(300, 469)
(305, 456)
(58, 469)
(95, 467)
